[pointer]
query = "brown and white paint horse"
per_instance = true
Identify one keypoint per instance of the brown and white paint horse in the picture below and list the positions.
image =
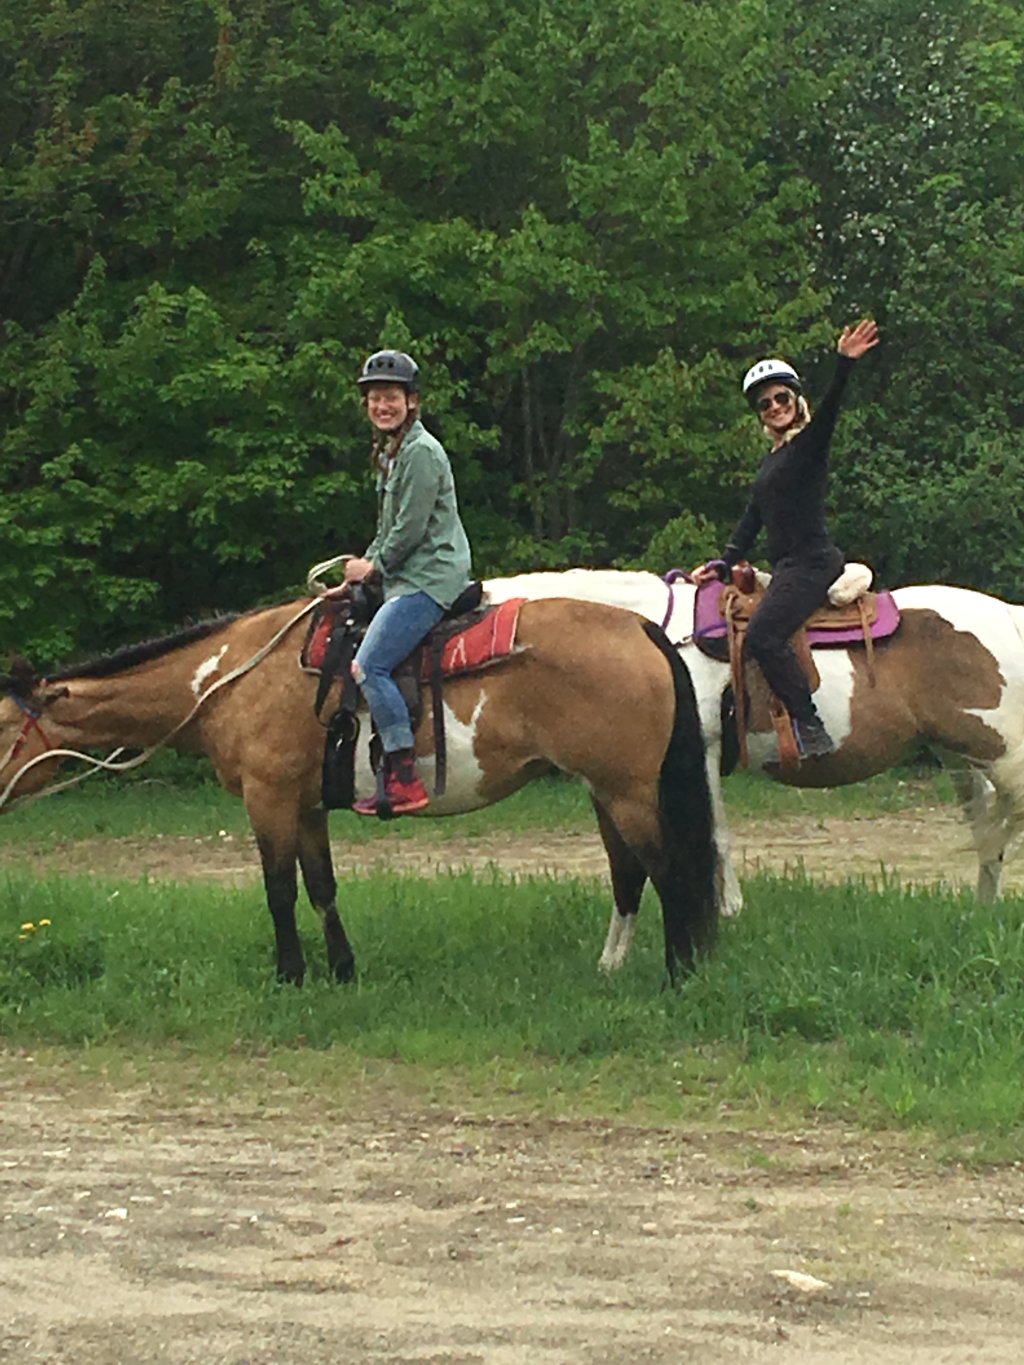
(589, 691)
(952, 678)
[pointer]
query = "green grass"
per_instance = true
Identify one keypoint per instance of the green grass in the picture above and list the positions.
(870, 1005)
(901, 789)
(866, 1004)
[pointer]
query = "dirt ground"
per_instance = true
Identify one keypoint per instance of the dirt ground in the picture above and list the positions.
(145, 1222)
(923, 846)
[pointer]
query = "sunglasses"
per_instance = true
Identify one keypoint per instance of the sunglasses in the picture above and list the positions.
(782, 399)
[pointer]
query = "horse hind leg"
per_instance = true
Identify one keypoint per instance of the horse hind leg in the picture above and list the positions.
(684, 861)
(681, 868)
(728, 894)
(629, 877)
(321, 887)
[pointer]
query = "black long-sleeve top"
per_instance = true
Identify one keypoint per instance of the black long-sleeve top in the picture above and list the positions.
(788, 497)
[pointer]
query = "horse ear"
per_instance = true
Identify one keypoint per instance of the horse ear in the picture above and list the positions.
(52, 694)
(21, 676)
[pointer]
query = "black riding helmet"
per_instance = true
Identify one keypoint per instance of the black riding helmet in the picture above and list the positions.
(391, 367)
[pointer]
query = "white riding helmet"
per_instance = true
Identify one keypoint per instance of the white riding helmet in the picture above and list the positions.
(768, 372)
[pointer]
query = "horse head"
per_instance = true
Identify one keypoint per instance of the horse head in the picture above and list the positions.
(22, 738)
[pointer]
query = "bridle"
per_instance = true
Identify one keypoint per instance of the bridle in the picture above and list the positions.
(111, 764)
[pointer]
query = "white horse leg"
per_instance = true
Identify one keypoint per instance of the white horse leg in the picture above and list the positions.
(989, 813)
(616, 946)
(727, 886)
(729, 897)
(990, 876)
(999, 822)
(629, 878)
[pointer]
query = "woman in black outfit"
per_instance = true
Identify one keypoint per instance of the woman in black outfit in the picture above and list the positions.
(788, 500)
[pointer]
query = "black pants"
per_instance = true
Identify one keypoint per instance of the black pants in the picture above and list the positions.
(798, 587)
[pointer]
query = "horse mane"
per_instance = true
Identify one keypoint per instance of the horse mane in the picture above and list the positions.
(130, 656)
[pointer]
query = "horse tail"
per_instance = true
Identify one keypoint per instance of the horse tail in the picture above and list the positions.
(995, 822)
(685, 809)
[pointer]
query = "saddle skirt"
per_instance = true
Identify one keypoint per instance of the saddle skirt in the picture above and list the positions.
(839, 627)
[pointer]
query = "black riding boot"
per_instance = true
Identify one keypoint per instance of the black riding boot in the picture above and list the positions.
(812, 739)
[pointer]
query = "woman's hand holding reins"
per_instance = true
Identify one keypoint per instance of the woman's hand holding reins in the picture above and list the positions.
(358, 569)
(704, 573)
(858, 338)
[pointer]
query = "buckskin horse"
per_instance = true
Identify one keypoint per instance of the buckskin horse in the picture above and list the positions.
(588, 691)
(950, 679)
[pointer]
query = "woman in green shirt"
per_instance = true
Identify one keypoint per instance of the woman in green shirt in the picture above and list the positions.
(420, 553)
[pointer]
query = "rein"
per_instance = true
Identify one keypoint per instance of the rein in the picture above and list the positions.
(108, 764)
(672, 577)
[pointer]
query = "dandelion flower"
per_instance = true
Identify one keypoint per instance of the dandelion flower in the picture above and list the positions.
(45, 923)
(28, 927)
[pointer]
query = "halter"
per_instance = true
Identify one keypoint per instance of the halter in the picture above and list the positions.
(31, 723)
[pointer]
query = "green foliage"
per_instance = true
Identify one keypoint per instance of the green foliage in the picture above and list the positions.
(584, 222)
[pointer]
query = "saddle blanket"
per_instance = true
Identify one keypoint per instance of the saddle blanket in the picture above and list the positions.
(487, 639)
(493, 637)
(318, 637)
(709, 624)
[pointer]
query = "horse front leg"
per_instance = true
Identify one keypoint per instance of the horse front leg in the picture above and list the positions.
(986, 810)
(321, 887)
(629, 877)
(275, 825)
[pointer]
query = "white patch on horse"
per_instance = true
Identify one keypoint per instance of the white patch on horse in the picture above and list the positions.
(206, 669)
(464, 772)
(465, 775)
(834, 700)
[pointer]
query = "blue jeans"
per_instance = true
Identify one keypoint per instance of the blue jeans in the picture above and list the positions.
(392, 635)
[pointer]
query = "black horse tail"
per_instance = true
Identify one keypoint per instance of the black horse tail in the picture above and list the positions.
(687, 819)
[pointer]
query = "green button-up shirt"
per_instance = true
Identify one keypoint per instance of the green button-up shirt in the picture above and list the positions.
(421, 544)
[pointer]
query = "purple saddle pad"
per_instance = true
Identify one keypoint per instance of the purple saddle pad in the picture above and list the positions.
(709, 623)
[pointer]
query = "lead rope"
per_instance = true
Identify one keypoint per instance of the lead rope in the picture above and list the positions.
(110, 764)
